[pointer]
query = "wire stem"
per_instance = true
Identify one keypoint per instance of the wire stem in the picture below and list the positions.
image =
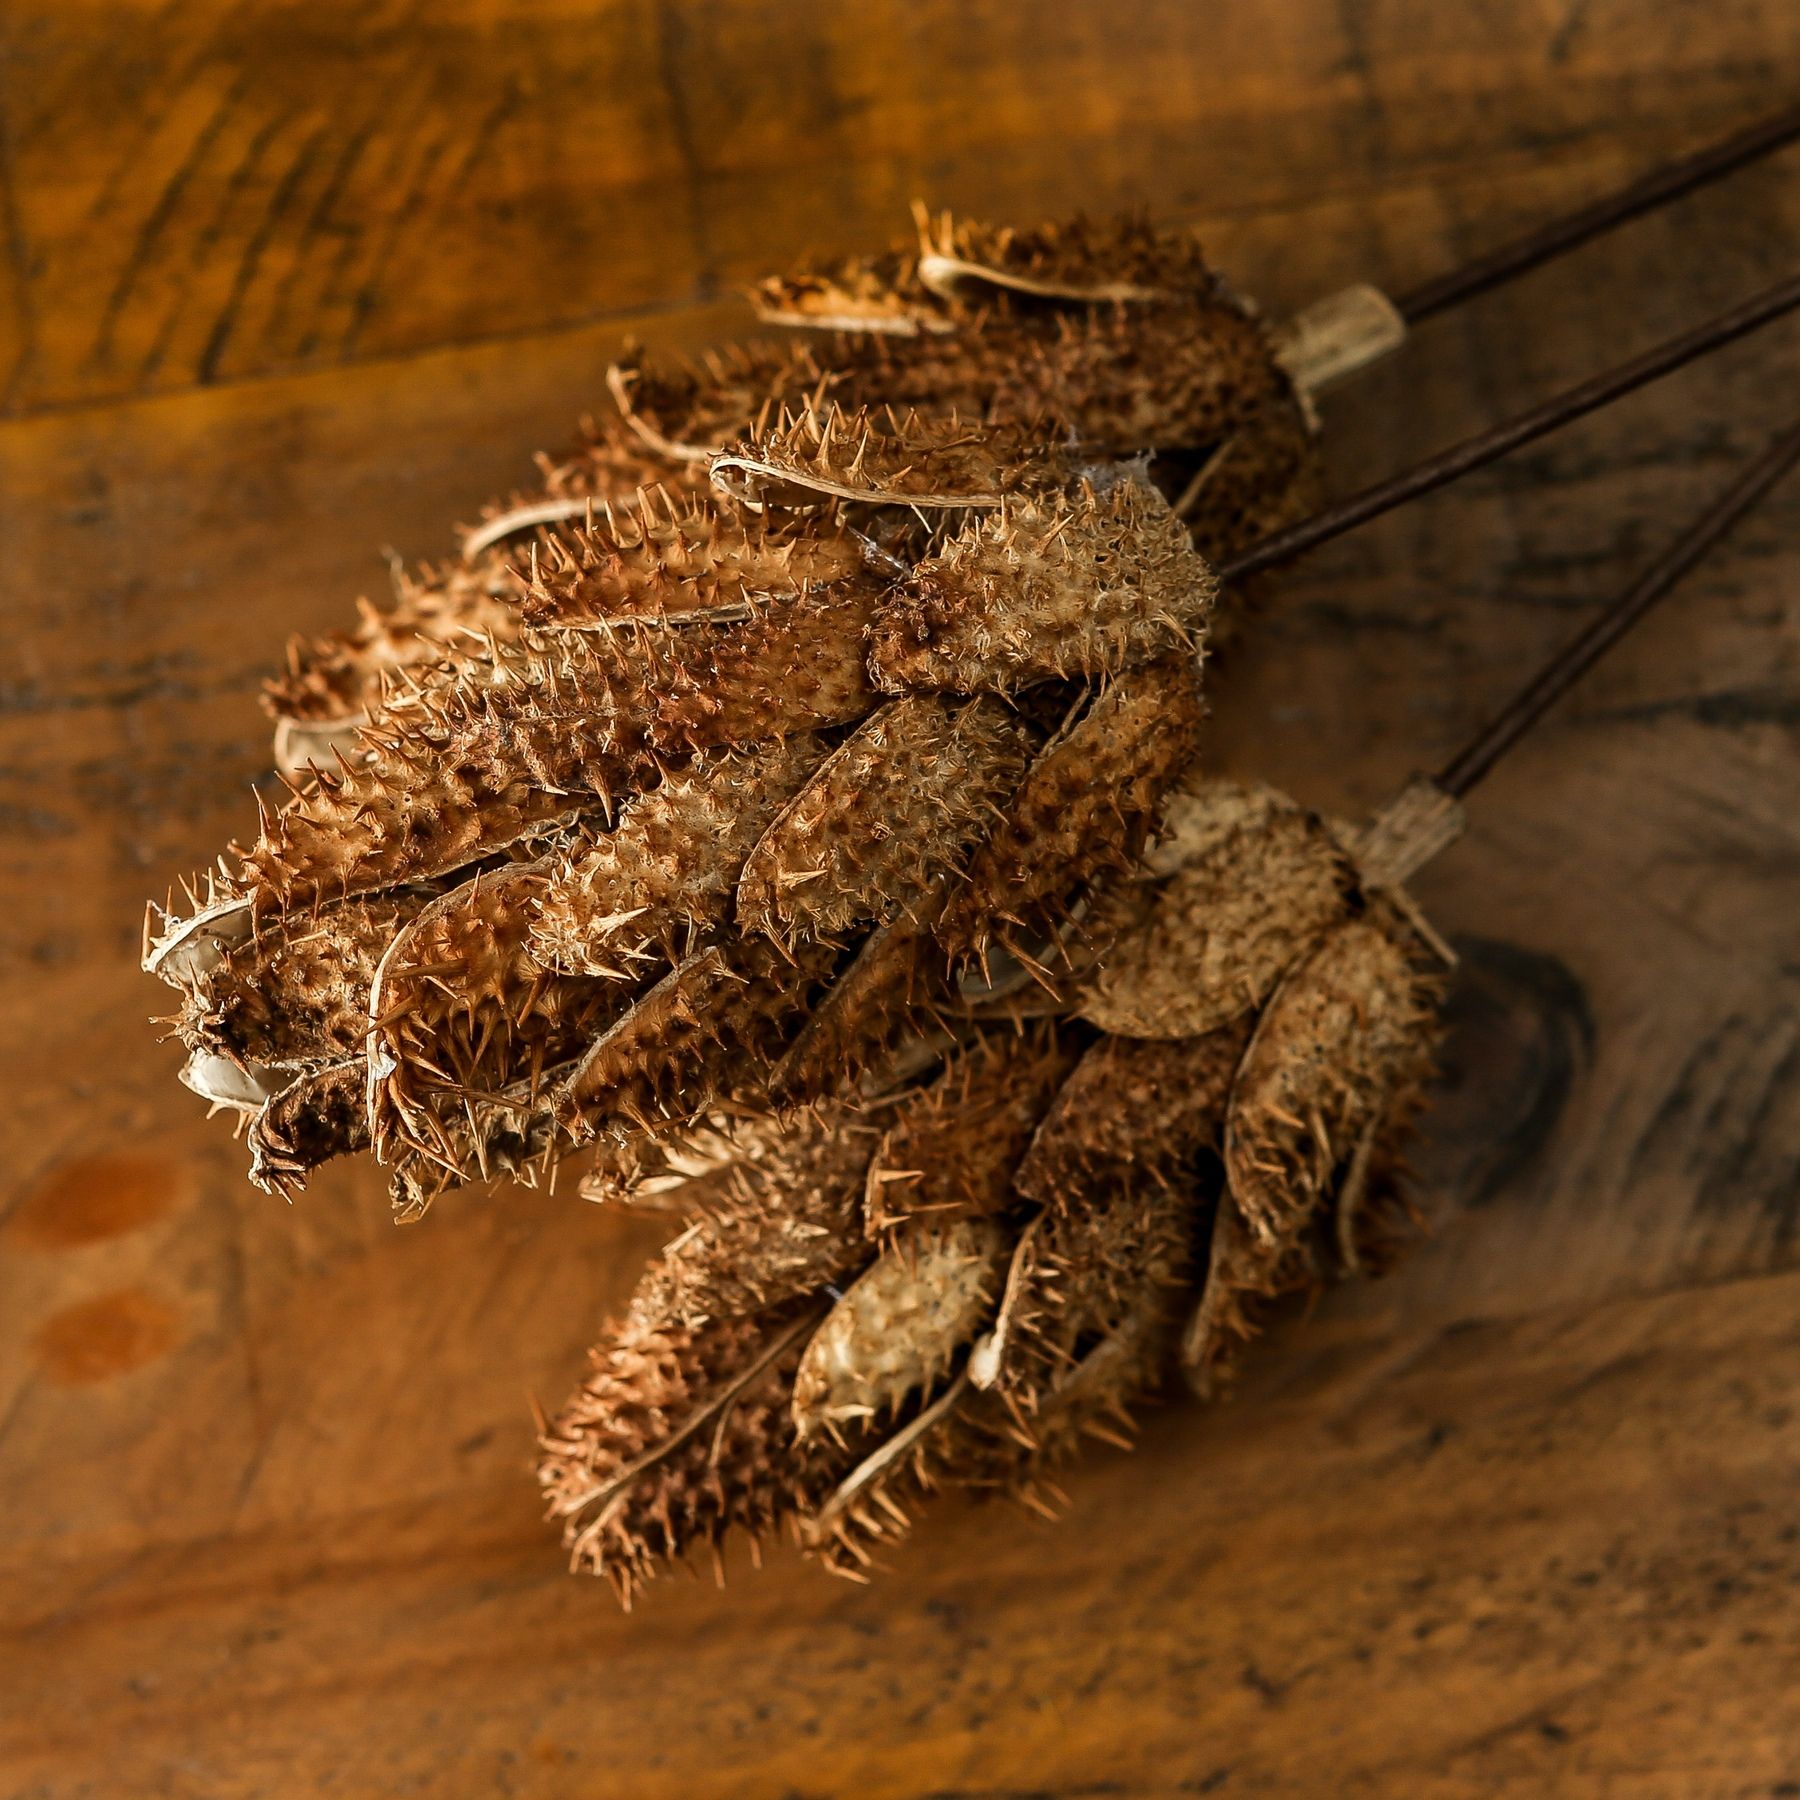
(1479, 755)
(1555, 238)
(1487, 446)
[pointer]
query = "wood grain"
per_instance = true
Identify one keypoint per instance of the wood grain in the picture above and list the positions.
(203, 190)
(1514, 1521)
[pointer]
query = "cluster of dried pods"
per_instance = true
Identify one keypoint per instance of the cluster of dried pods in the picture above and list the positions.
(953, 1282)
(772, 826)
(790, 806)
(835, 662)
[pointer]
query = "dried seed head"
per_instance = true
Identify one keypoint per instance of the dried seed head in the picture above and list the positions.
(1089, 261)
(779, 1227)
(459, 1008)
(886, 459)
(1350, 1028)
(1081, 583)
(1081, 1275)
(896, 1330)
(1223, 927)
(897, 977)
(898, 803)
(754, 744)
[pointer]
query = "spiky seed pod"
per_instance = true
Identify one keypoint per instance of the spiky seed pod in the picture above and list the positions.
(684, 411)
(711, 1028)
(1132, 1113)
(460, 1008)
(459, 776)
(1082, 583)
(1040, 1220)
(1085, 260)
(670, 868)
(510, 1134)
(895, 1331)
(314, 1118)
(954, 1145)
(1083, 810)
(999, 1441)
(898, 977)
(1345, 1034)
(780, 1225)
(334, 682)
(665, 631)
(853, 293)
(297, 993)
(1260, 879)
(676, 1437)
(883, 458)
(683, 564)
(899, 802)
(1080, 1275)
(1166, 381)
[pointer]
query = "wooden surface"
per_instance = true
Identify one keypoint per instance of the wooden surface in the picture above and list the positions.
(284, 284)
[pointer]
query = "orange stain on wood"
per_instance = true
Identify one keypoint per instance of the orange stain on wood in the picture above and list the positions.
(95, 1198)
(110, 1335)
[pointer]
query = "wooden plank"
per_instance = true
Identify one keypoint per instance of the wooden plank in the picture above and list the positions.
(1546, 1555)
(228, 188)
(1502, 1523)
(1620, 993)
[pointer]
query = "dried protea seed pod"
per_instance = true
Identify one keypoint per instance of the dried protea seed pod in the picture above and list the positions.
(677, 1437)
(711, 1029)
(1123, 259)
(311, 1120)
(607, 984)
(1081, 583)
(297, 993)
(1258, 883)
(1117, 330)
(1132, 1112)
(899, 802)
(897, 1330)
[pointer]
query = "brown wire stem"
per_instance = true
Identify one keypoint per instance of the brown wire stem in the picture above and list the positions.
(1646, 193)
(1572, 662)
(1487, 446)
